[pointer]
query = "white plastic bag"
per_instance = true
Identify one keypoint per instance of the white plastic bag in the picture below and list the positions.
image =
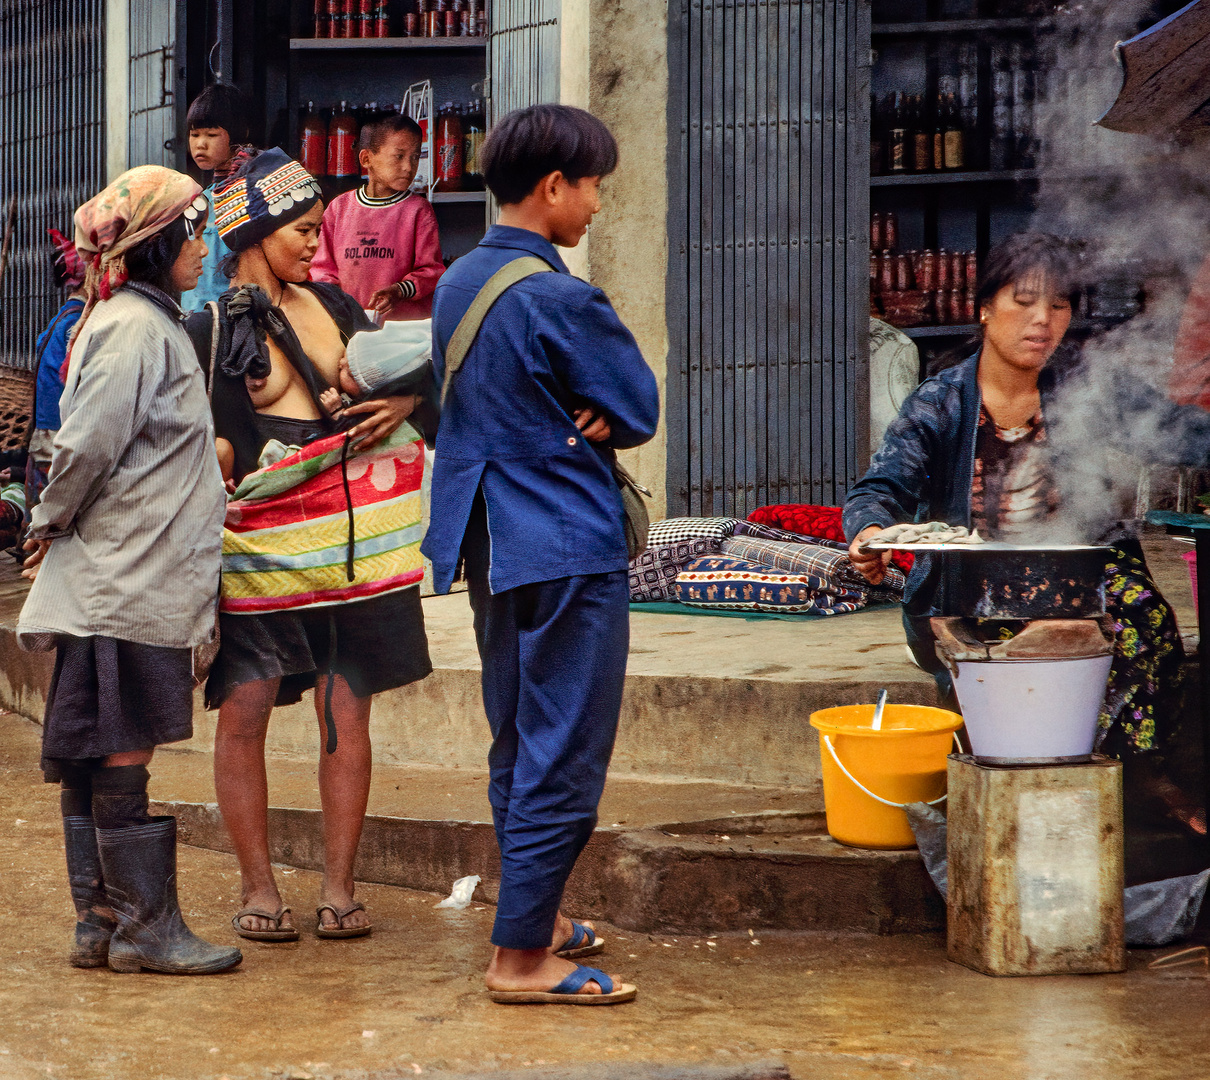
(460, 895)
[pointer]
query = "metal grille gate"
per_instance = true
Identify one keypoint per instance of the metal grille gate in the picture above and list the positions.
(523, 54)
(768, 261)
(52, 148)
(153, 83)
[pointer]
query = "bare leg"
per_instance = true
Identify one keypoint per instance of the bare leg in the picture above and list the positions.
(344, 791)
(243, 793)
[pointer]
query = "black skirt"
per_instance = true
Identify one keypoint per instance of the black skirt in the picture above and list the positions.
(376, 644)
(109, 697)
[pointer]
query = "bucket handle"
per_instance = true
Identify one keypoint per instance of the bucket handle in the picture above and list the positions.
(827, 741)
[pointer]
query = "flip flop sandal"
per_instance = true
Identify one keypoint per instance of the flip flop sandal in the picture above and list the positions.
(568, 991)
(282, 933)
(584, 941)
(339, 931)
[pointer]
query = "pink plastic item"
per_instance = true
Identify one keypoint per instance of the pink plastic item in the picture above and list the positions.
(1190, 558)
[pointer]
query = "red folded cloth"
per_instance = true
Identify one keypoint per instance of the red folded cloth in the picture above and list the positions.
(821, 521)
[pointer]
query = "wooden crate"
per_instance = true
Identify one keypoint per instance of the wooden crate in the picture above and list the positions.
(1035, 868)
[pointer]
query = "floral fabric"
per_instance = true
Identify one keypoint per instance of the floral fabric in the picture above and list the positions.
(1147, 653)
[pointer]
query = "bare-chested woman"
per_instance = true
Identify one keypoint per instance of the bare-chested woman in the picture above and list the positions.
(279, 343)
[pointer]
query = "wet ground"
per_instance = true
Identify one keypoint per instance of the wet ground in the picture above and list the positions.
(408, 1001)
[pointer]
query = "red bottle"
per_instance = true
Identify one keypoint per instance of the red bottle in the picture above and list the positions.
(313, 142)
(449, 149)
(342, 143)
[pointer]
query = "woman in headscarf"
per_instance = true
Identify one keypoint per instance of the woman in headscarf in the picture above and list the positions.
(124, 559)
(276, 340)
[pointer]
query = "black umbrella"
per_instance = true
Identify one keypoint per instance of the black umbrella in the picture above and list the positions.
(1166, 84)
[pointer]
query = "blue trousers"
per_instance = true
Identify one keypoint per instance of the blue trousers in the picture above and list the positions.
(554, 661)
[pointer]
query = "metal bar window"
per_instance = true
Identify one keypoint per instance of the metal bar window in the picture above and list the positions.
(52, 149)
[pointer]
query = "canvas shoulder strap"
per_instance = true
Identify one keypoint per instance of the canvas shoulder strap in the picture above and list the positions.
(467, 329)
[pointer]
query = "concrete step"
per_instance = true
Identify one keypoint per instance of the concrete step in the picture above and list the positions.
(667, 857)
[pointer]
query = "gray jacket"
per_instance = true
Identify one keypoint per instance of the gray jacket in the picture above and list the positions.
(135, 501)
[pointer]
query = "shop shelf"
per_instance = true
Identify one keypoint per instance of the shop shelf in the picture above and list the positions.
(967, 329)
(983, 177)
(389, 43)
(458, 197)
(959, 26)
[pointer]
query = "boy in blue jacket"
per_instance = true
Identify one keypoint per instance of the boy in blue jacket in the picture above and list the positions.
(526, 500)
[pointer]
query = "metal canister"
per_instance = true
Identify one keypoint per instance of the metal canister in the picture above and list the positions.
(336, 16)
(890, 230)
(875, 268)
(926, 271)
(451, 22)
(958, 269)
(956, 308)
(941, 306)
(886, 272)
(969, 315)
(972, 269)
(350, 20)
(432, 24)
(944, 266)
(465, 24)
(409, 25)
(876, 234)
(903, 273)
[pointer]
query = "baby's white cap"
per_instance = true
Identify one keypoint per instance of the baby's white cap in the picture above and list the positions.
(381, 356)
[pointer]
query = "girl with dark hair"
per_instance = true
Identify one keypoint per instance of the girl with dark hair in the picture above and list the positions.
(975, 446)
(125, 560)
(350, 626)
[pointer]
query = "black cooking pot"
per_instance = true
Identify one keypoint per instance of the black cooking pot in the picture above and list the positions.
(1003, 581)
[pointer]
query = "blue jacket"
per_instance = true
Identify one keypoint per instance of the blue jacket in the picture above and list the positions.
(213, 282)
(51, 350)
(924, 469)
(551, 344)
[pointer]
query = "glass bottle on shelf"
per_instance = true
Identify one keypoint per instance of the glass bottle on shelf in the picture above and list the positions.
(1023, 106)
(342, 143)
(1000, 151)
(474, 131)
(922, 137)
(968, 99)
(449, 149)
(898, 159)
(955, 139)
(313, 142)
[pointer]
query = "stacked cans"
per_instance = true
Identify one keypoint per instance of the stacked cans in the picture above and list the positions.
(919, 288)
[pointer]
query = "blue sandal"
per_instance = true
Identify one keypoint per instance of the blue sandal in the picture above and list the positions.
(584, 941)
(568, 991)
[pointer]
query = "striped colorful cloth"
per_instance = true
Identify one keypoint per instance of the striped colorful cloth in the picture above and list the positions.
(286, 542)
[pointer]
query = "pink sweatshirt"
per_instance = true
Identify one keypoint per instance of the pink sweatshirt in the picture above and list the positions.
(367, 244)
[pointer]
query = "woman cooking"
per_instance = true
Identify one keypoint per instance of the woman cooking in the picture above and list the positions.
(274, 344)
(972, 447)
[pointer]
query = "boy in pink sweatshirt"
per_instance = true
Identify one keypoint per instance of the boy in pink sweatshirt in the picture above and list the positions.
(379, 243)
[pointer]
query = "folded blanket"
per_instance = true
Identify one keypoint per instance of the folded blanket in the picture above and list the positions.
(828, 560)
(671, 530)
(653, 571)
(730, 584)
(325, 525)
(817, 522)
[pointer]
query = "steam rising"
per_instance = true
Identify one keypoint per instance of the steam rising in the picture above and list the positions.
(1142, 205)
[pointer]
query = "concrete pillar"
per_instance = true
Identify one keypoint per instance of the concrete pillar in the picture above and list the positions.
(117, 87)
(615, 63)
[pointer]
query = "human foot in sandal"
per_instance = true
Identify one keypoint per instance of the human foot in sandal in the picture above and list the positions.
(537, 977)
(338, 920)
(264, 918)
(573, 940)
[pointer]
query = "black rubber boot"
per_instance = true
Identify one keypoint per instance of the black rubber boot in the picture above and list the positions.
(139, 865)
(93, 930)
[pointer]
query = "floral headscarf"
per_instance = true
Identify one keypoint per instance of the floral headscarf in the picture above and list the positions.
(138, 204)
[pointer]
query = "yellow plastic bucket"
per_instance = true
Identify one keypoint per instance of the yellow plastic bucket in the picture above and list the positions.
(869, 776)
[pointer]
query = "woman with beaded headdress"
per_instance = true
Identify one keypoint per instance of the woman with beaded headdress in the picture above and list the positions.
(330, 600)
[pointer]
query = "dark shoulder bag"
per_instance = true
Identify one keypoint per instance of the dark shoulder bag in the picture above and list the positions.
(633, 493)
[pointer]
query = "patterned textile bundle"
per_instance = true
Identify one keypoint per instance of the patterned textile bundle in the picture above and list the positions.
(727, 583)
(672, 530)
(820, 522)
(828, 560)
(653, 572)
(318, 528)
